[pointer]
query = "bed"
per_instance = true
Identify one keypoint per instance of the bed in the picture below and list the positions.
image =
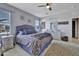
(31, 41)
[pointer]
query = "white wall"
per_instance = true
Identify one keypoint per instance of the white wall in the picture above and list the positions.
(67, 29)
(66, 13)
(16, 17)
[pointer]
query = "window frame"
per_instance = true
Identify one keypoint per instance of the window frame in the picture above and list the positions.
(43, 25)
(9, 20)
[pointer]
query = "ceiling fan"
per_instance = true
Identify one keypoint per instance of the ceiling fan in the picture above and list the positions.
(47, 5)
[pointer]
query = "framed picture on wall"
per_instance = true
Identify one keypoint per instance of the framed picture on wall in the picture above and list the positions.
(64, 23)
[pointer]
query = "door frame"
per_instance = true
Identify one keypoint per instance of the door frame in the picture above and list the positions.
(76, 27)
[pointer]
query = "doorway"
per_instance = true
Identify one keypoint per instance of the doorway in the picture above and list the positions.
(75, 28)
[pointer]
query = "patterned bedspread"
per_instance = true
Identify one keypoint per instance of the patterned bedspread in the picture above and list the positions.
(34, 41)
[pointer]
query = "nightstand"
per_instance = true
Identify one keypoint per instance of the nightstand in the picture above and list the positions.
(7, 42)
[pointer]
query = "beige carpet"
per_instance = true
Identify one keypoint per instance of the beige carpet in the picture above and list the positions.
(17, 51)
(58, 50)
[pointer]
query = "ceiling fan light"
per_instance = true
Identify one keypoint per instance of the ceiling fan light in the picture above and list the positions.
(48, 6)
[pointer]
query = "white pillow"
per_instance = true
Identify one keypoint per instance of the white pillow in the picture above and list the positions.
(48, 31)
(20, 33)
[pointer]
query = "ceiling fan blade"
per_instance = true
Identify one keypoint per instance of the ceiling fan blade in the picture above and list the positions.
(42, 6)
(48, 4)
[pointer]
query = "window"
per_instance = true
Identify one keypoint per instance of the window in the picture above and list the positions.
(43, 25)
(37, 25)
(4, 21)
(51, 24)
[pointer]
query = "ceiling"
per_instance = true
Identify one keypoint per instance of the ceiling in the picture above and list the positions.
(43, 11)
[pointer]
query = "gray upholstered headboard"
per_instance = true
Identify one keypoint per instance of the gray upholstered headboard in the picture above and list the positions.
(28, 28)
